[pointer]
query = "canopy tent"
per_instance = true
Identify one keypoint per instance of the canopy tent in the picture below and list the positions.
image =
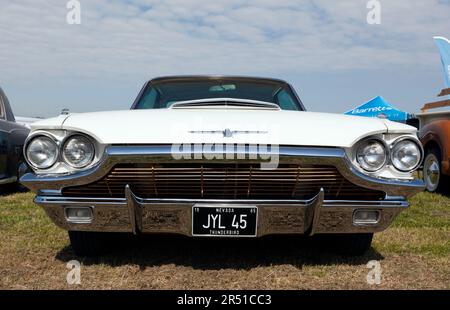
(378, 107)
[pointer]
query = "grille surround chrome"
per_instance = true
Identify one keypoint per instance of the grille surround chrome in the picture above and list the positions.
(224, 181)
(136, 154)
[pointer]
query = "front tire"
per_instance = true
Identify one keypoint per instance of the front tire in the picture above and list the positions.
(432, 171)
(86, 243)
(353, 244)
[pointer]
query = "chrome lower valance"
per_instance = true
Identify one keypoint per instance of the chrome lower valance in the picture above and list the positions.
(139, 215)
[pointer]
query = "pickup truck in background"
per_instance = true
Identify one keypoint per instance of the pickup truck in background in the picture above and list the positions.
(435, 136)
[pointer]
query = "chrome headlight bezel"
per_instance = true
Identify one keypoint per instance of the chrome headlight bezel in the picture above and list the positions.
(48, 138)
(392, 153)
(366, 142)
(60, 137)
(388, 170)
(65, 144)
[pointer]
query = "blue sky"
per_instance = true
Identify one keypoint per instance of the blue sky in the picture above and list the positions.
(326, 49)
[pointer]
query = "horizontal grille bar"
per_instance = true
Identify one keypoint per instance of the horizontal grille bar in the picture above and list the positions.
(224, 181)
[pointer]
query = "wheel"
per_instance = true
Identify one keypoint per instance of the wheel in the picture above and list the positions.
(86, 243)
(432, 171)
(353, 244)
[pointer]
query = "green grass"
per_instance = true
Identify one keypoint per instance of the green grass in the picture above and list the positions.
(24, 226)
(422, 229)
(426, 210)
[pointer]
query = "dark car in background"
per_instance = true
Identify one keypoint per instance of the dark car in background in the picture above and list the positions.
(12, 138)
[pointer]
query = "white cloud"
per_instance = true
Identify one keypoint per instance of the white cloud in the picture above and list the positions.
(140, 39)
(133, 37)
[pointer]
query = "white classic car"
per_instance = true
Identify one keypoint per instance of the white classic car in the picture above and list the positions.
(209, 156)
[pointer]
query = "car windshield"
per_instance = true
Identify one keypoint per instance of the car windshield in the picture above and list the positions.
(162, 94)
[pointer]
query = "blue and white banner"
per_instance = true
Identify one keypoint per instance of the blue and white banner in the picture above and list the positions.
(444, 48)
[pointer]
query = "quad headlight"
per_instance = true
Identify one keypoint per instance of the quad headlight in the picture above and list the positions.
(42, 152)
(371, 155)
(59, 153)
(78, 151)
(406, 155)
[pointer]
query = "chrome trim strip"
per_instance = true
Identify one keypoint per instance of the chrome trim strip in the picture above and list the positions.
(162, 153)
(8, 180)
(60, 200)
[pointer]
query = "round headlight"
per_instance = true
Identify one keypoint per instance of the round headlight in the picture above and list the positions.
(371, 155)
(78, 151)
(42, 152)
(406, 155)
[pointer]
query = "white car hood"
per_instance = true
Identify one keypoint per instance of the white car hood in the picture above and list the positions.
(173, 126)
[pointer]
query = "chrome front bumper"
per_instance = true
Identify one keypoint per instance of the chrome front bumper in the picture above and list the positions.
(139, 215)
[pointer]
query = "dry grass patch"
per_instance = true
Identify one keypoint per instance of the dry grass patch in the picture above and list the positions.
(414, 254)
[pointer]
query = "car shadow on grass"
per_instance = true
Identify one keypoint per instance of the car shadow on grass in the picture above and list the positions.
(11, 189)
(446, 191)
(216, 254)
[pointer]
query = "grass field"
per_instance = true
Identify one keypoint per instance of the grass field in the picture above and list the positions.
(414, 253)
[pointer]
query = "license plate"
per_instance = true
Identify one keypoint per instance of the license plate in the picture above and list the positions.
(224, 221)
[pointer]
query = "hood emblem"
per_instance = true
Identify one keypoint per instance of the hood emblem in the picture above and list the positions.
(227, 133)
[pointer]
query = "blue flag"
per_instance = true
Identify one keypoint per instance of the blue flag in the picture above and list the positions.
(444, 48)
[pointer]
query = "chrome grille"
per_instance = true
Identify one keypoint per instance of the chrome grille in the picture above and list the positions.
(224, 181)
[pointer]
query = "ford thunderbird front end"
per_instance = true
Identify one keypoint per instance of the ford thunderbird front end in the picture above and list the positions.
(221, 165)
